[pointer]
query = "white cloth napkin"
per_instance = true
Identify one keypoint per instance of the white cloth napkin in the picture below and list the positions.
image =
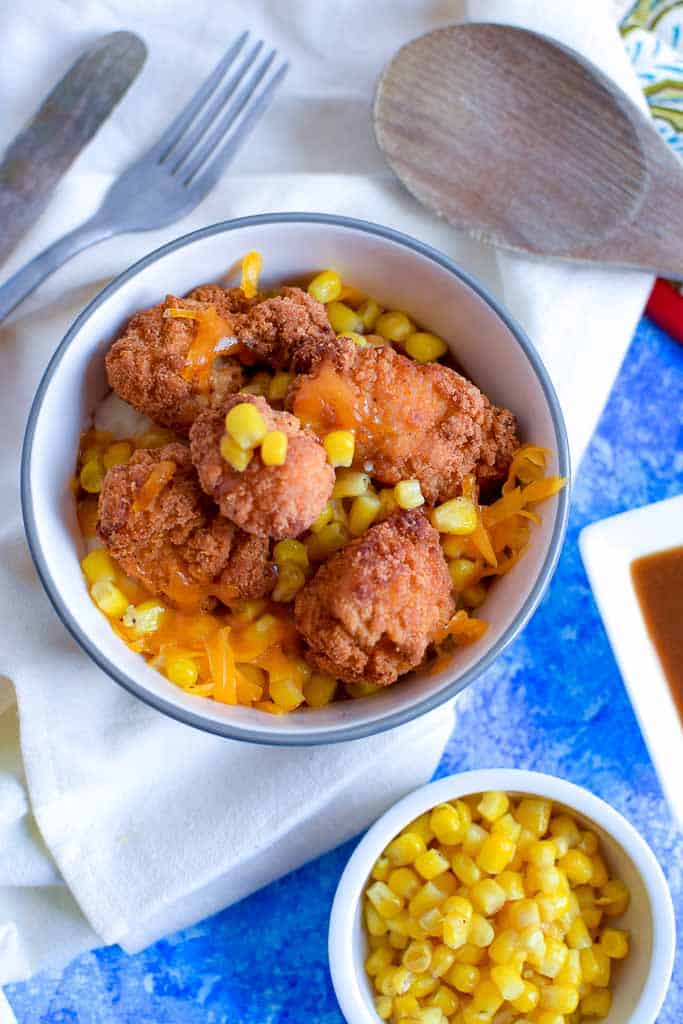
(117, 825)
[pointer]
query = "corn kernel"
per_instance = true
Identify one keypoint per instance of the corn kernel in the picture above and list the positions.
(596, 1004)
(470, 954)
(456, 925)
(430, 864)
(408, 494)
(464, 977)
(559, 998)
(431, 923)
(384, 1007)
(512, 884)
(417, 957)
(457, 516)
(507, 981)
(405, 1006)
(446, 882)
(504, 946)
(424, 347)
(350, 484)
(279, 385)
(562, 827)
(235, 456)
(552, 961)
(464, 868)
(445, 1000)
(108, 598)
(245, 425)
(507, 826)
(461, 572)
(533, 941)
(577, 866)
(487, 896)
(385, 902)
(117, 454)
(442, 960)
(549, 1017)
(356, 338)
(286, 693)
(487, 997)
(474, 839)
(375, 924)
(378, 960)
(146, 617)
(340, 446)
(421, 827)
(326, 286)
(493, 805)
(495, 854)
(403, 881)
(595, 966)
(614, 943)
(274, 448)
(290, 580)
(252, 263)
(330, 538)
(570, 972)
(474, 595)
(428, 896)
(342, 318)
(369, 311)
(578, 936)
(364, 510)
(180, 669)
(381, 869)
(91, 477)
(395, 326)
(614, 897)
(542, 853)
(481, 932)
(404, 849)
(387, 502)
(428, 1015)
(400, 928)
(528, 998)
(97, 565)
(398, 981)
(589, 843)
(533, 813)
(524, 914)
(446, 824)
(424, 984)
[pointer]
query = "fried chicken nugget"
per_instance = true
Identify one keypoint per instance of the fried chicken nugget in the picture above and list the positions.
(371, 610)
(147, 365)
(267, 501)
(172, 533)
(289, 332)
(411, 420)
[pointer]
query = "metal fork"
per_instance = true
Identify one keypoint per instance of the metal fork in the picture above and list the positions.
(177, 172)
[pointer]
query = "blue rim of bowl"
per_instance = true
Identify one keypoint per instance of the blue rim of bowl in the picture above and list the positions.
(250, 734)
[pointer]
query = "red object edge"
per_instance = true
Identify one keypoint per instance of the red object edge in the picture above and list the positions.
(665, 308)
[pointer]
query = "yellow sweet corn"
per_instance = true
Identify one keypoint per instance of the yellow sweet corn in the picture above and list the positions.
(404, 849)
(443, 1000)
(464, 868)
(425, 984)
(614, 896)
(350, 484)
(108, 598)
(405, 1006)
(342, 318)
(380, 870)
(274, 448)
(319, 690)
(258, 385)
(596, 1004)
(481, 932)
(252, 264)
(292, 551)
(326, 286)
(493, 805)
(98, 565)
(384, 1007)
(385, 902)
(424, 347)
(378, 960)
(375, 924)
(461, 572)
(512, 884)
(570, 972)
(486, 997)
(395, 326)
(279, 385)
(474, 839)
(340, 446)
(495, 854)
(524, 914)
(403, 881)
(464, 977)
(369, 311)
(446, 824)
(417, 957)
(614, 943)
(507, 981)
(408, 494)
(487, 896)
(578, 936)
(290, 580)
(245, 425)
(577, 866)
(528, 998)
(180, 669)
(542, 853)
(430, 864)
(326, 541)
(146, 617)
(457, 516)
(287, 694)
(117, 454)
(91, 477)
(364, 510)
(533, 813)
(235, 456)
(595, 966)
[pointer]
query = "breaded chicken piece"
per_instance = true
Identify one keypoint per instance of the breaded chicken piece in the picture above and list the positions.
(371, 610)
(289, 332)
(267, 501)
(179, 535)
(411, 420)
(147, 365)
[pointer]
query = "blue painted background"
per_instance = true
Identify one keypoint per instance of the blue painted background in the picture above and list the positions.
(553, 702)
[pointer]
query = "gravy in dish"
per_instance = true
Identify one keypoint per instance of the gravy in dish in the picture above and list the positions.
(658, 583)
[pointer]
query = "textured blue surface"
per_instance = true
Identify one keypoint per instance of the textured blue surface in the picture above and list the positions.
(553, 702)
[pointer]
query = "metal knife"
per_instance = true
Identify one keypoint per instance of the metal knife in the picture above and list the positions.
(47, 146)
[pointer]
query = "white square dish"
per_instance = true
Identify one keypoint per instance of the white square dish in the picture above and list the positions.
(608, 548)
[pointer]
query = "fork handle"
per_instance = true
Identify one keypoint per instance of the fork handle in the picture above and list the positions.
(26, 280)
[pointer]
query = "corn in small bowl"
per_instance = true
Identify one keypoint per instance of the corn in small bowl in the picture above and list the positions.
(629, 950)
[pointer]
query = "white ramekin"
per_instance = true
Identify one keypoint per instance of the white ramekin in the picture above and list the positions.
(640, 982)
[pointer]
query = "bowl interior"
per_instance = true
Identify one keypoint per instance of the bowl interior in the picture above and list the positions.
(629, 979)
(399, 276)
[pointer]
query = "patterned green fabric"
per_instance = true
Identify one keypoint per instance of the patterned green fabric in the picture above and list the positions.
(653, 36)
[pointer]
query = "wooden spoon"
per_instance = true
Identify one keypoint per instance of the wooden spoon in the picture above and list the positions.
(521, 142)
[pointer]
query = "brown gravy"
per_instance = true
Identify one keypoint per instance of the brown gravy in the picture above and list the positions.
(658, 583)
